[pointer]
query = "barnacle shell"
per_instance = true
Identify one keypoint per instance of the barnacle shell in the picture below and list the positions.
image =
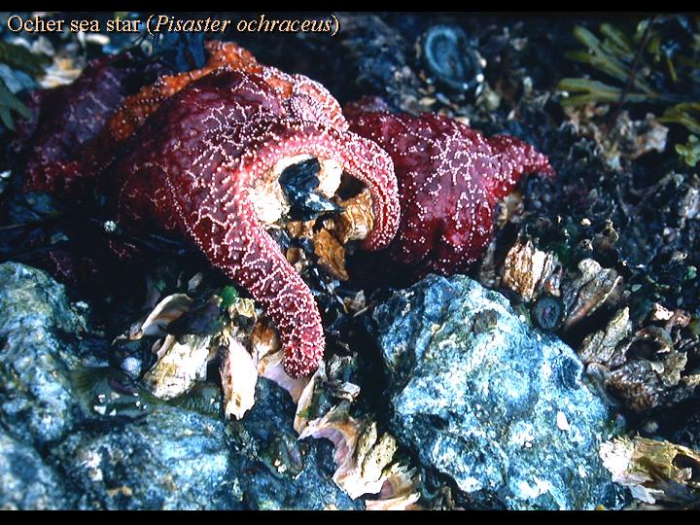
(361, 455)
(357, 220)
(399, 491)
(648, 379)
(601, 346)
(625, 139)
(527, 269)
(331, 254)
(592, 289)
(364, 459)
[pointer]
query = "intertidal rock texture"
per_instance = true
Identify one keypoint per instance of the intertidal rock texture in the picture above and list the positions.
(57, 454)
(496, 406)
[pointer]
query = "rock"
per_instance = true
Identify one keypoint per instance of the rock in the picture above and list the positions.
(498, 407)
(26, 482)
(172, 459)
(178, 459)
(59, 455)
(283, 472)
(37, 330)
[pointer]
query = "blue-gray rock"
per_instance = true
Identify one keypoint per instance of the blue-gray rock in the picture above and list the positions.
(483, 398)
(26, 482)
(38, 330)
(283, 472)
(172, 459)
(58, 453)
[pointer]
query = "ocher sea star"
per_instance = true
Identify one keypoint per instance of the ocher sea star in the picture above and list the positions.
(450, 178)
(223, 55)
(202, 160)
(52, 144)
(191, 168)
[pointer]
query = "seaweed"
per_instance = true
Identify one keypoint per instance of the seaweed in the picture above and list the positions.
(690, 151)
(10, 104)
(17, 58)
(644, 65)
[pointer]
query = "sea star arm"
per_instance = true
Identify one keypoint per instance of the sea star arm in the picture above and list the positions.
(450, 178)
(191, 167)
(248, 254)
(67, 118)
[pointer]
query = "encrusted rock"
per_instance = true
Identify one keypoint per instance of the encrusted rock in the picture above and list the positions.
(26, 481)
(501, 409)
(169, 461)
(37, 401)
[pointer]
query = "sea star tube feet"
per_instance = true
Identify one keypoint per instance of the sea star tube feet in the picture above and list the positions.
(450, 178)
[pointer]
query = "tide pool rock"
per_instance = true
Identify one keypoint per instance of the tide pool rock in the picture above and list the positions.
(503, 410)
(38, 341)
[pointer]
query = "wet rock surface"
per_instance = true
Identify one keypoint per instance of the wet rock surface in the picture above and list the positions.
(173, 459)
(496, 406)
(37, 331)
(179, 459)
(280, 471)
(26, 481)
(56, 456)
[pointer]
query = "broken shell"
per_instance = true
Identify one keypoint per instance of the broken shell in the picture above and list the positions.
(655, 374)
(399, 491)
(357, 221)
(331, 254)
(595, 286)
(165, 312)
(361, 456)
(374, 454)
(239, 376)
(659, 313)
(301, 229)
(269, 358)
(625, 140)
(602, 346)
(179, 366)
(653, 470)
(194, 282)
(355, 304)
(243, 307)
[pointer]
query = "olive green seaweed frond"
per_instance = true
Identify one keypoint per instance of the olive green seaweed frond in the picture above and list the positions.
(657, 62)
(17, 58)
(690, 152)
(10, 104)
